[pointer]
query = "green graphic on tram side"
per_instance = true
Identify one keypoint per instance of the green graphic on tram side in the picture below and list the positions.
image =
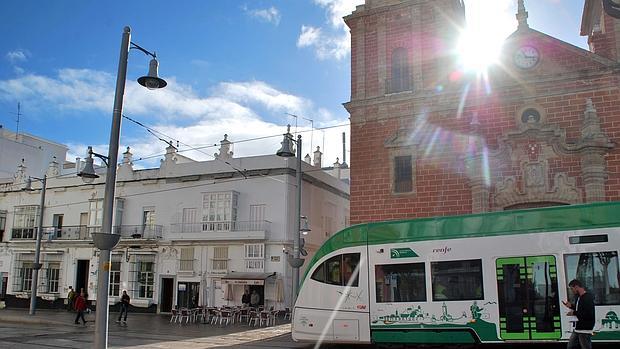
(609, 329)
(611, 320)
(416, 314)
(416, 317)
(403, 252)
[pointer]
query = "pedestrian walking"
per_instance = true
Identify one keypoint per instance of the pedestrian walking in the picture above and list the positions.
(583, 309)
(80, 307)
(124, 307)
(70, 298)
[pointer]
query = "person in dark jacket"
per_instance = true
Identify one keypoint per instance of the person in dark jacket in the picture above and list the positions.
(245, 299)
(80, 306)
(124, 307)
(583, 309)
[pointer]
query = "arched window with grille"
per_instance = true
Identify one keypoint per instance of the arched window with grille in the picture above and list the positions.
(401, 77)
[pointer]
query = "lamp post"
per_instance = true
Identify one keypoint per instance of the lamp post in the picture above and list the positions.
(296, 262)
(106, 240)
(37, 248)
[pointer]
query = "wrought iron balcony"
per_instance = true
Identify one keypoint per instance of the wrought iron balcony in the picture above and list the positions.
(221, 230)
(134, 231)
(152, 231)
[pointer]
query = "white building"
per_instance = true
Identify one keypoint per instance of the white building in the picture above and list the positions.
(37, 151)
(193, 233)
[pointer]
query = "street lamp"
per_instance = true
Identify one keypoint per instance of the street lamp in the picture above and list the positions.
(105, 240)
(37, 249)
(287, 150)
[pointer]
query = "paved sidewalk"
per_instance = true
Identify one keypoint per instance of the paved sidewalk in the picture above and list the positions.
(55, 329)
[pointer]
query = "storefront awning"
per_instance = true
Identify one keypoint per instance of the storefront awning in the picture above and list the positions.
(246, 278)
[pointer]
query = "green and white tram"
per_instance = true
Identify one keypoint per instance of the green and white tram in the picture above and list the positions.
(482, 278)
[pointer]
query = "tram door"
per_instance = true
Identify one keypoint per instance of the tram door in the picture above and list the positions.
(528, 298)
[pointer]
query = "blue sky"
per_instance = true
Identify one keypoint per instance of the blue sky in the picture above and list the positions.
(236, 67)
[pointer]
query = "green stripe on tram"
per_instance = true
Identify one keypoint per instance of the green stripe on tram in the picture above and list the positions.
(500, 223)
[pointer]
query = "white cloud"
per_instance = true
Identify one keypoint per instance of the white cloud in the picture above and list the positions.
(309, 36)
(234, 108)
(332, 41)
(270, 15)
(17, 56)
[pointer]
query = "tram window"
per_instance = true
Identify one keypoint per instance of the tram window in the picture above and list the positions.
(400, 283)
(319, 273)
(457, 280)
(598, 271)
(350, 261)
(338, 270)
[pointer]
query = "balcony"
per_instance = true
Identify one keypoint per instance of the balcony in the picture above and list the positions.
(23, 233)
(222, 230)
(147, 232)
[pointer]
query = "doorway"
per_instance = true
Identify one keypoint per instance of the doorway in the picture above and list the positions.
(57, 223)
(5, 281)
(81, 275)
(528, 298)
(188, 294)
(260, 289)
(167, 295)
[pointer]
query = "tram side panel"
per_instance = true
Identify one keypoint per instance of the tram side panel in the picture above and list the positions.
(432, 292)
(333, 303)
(504, 288)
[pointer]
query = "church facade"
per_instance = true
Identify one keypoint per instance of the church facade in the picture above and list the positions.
(427, 139)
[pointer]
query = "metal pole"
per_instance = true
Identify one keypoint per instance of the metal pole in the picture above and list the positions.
(297, 223)
(103, 273)
(37, 251)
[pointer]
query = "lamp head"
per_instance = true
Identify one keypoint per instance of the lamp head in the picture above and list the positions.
(88, 173)
(287, 150)
(152, 81)
(305, 228)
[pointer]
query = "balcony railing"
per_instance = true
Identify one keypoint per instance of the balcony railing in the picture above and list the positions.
(221, 226)
(75, 232)
(134, 231)
(152, 231)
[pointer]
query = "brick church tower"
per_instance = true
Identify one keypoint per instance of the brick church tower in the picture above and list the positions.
(430, 140)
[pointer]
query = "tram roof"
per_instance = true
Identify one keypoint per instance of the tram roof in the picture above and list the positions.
(548, 219)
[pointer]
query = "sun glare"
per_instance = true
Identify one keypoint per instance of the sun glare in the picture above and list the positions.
(489, 22)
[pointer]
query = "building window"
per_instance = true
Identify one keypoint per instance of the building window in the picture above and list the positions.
(95, 213)
(220, 258)
(400, 283)
(53, 276)
(254, 256)
(24, 222)
(146, 279)
(25, 275)
(115, 278)
(457, 280)
(403, 174)
(187, 259)
(598, 272)
(2, 224)
(257, 216)
(148, 217)
(219, 211)
(401, 77)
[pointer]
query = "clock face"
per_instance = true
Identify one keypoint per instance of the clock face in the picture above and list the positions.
(526, 57)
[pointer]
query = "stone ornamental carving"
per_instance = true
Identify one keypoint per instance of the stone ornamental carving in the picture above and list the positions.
(225, 152)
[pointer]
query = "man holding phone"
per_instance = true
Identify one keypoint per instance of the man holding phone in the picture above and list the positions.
(583, 309)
